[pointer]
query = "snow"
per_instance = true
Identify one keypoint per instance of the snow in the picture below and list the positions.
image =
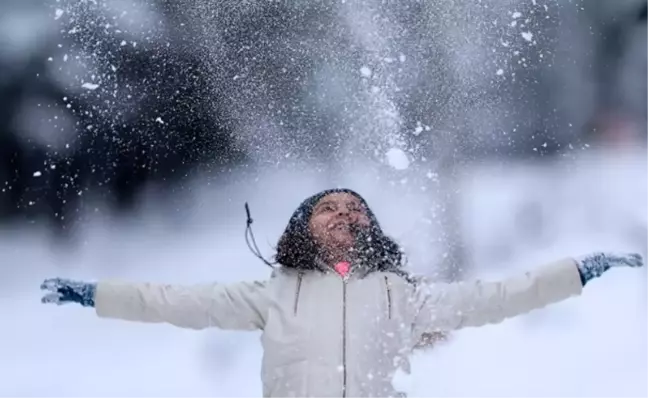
(403, 381)
(37, 174)
(594, 345)
(381, 64)
(528, 36)
(58, 13)
(90, 86)
(418, 130)
(397, 159)
(365, 71)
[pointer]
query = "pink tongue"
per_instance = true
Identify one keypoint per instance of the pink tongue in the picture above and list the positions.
(342, 268)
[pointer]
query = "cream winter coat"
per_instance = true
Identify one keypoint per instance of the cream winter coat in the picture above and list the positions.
(324, 336)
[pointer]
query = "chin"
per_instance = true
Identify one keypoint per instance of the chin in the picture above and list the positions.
(348, 247)
(344, 244)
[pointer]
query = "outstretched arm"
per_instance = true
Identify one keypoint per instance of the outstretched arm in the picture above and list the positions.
(454, 306)
(239, 306)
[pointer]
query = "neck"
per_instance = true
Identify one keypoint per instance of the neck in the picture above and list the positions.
(336, 256)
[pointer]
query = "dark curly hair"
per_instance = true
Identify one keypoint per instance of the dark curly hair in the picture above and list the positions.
(297, 249)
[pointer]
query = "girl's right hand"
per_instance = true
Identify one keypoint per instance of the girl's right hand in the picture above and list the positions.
(64, 291)
(594, 265)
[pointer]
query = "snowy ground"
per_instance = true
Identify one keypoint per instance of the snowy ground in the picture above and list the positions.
(594, 345)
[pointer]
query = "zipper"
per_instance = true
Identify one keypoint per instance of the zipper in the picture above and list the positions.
(297, 290)
(389, 298)
(344, 340)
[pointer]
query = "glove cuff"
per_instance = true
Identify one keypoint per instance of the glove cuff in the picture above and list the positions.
(592, 266)
(88, 294)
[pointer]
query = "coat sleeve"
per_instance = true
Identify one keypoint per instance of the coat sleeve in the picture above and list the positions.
(237, 306)
(445, 307)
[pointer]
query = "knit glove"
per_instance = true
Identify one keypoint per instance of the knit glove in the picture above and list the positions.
(64, 291)
(593, 265)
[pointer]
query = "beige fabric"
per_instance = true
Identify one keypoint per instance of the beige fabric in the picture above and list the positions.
(323, 336)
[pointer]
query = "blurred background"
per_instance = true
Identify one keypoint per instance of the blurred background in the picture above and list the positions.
(489, 137)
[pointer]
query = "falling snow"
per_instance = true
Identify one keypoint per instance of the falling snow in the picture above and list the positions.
(90, 86)
(397, 159)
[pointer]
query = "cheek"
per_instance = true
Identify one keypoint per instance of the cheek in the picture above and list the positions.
(317, 227)
(363, 219)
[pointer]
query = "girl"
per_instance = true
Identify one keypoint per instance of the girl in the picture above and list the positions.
(340, 315)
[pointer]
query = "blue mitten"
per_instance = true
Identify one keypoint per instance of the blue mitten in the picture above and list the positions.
(594, 265)
(65, 291)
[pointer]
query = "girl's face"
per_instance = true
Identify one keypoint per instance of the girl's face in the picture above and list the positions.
(334, 219)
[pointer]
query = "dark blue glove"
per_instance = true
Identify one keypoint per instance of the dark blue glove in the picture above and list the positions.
(64, 291)
(594, 265)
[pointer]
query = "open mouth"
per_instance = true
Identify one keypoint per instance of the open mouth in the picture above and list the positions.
(340, 225)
